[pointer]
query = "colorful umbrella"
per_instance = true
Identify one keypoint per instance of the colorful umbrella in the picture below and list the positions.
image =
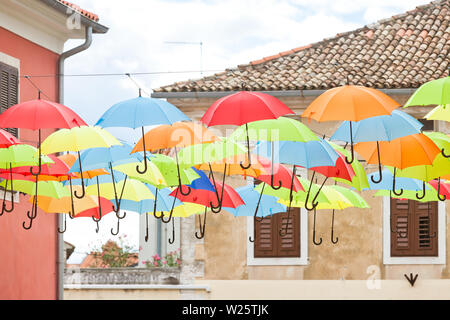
(40, 114)
(78, 139)
(432, 92)
(441, 140)
(441, 112)
(140, 112)
(243, 107)
(404, 152)
(350, 103)
(7, 139)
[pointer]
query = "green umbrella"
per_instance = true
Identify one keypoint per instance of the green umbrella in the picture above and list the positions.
(162, 172)
(431, 195)
(53, 189)
(359, 181)
(355, 199)
(21, 155)
(441, 112)
(209, 152)
(281, 129)
(441, 140)
(432, 92)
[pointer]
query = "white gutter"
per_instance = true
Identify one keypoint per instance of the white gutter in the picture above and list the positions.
(275, 93)
(62, 59)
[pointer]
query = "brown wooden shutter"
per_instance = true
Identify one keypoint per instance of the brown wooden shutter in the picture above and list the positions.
(269, 242)
(289, 244)
(413, 228)
(9, 90)
(426, 231)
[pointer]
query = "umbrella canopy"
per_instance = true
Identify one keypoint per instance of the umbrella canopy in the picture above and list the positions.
(52, 189)
(439, 113)
(400, 183)
(70, 159)
(404, 152)
(21, 155)
(64, 205)
(140, 112)
(7, 139)
(441, 140)
(244, 107)
(209, 152)
(77, 139)
(430, 195)
(40, 114)
(230, 198)
(341, 169)
(351, 103)
(265, 204)
(233, 166)
(179, 134)
(131, 190)
(443, 187)
(203, 182)
(380, 128)
(432, 92)
(283, 175)
(305, 154)
(281, 129)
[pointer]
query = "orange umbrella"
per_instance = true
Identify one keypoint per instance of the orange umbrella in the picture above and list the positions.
(413, 150)
(70, 159)
(179, 134)
(350, 103)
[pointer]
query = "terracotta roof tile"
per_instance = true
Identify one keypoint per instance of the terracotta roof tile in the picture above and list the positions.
(403, 51)
(87, 14)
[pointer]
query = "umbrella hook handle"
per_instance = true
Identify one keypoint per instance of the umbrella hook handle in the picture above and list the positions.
(71, 199)
(116, 209)
(12, 194)
(399, 193)
(332, 231)
(245, 167)
(145, 155)
(83, 191)
(171, 241)
(271, 177)
(40, 159)
(65, 224)
(440, 197)
(180, 186)
(171, 210)
(444, 154)
(218, 208)
(423, 192)
(318, 192)
(317, 243)
(146, 228)
(351, 147)
(314, 205)
(118, 223)
(99, 207)
(257, 205)
(154, 206)
(201, 226)
(379, 167)
(33, 214)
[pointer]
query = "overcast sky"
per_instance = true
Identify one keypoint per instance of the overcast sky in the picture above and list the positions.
(233, 32)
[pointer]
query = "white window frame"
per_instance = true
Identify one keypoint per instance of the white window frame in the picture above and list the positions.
(388, 260)
(286, 261)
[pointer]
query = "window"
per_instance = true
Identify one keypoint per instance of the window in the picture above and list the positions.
(428, 125)
(9, 89)
(414, 228)
(268, 241)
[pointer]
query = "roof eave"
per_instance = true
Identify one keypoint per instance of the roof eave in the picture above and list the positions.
(275, 93)
(62, 8)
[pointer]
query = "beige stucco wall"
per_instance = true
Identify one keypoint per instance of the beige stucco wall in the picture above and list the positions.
(223, 250)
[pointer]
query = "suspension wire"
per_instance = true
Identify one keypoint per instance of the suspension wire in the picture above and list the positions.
(137, 85)
(37, 88)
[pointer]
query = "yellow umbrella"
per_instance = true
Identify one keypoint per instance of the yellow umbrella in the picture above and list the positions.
(441, 112)
(77, 139)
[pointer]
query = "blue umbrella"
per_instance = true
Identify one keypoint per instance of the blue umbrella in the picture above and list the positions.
(390, 182)
(140, 112)
(201, 183)
(265, 204)
(305, 154)
(381, 128)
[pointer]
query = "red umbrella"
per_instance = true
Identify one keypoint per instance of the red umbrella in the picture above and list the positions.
(7, 139)
(96, 213)
(40, 114)
(280, 173)
(341, 169)
(244, 107)
(230, 198)
(443, 189)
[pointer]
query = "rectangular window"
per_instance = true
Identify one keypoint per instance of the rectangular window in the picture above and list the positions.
(9, 90)
(269, 243)
(414, 228)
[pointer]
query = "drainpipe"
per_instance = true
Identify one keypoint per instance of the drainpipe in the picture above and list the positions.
(62, 59)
